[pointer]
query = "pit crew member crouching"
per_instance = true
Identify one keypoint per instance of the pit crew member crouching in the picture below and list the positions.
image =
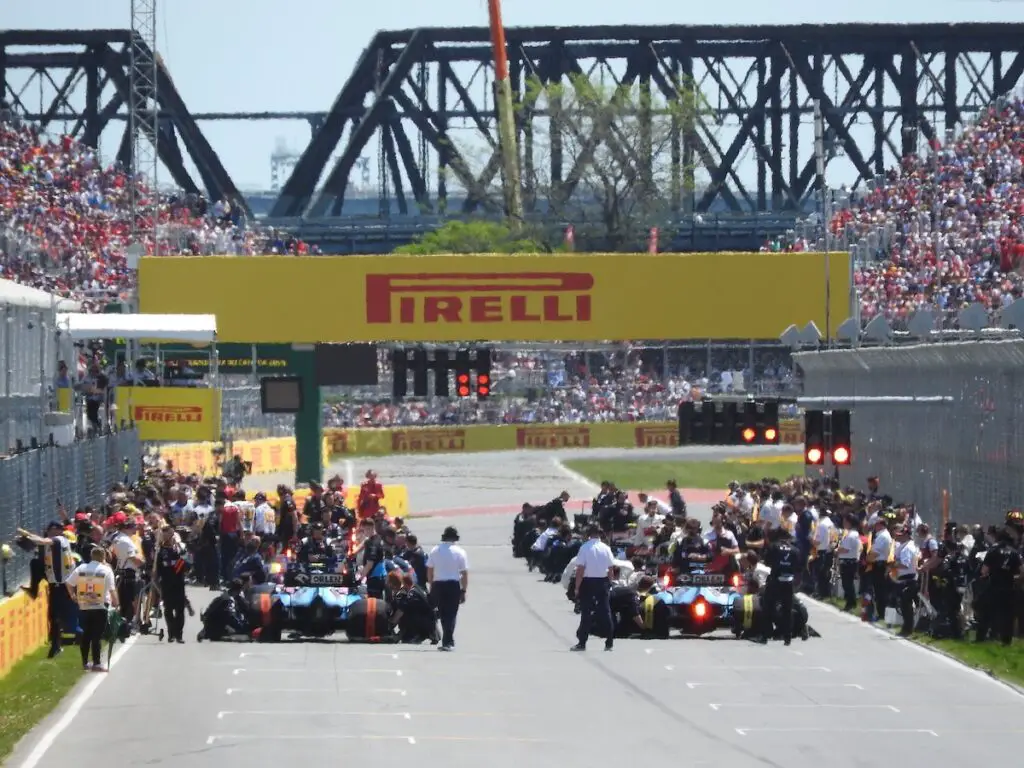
(637, 613)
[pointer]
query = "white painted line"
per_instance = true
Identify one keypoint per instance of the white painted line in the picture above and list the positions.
(395, 691)
(648, 651)
(252, 655)
(798, 653)
(386, 655)
(350, 473)
(412, 740)
(770, 669)
(748, 683)
(745, 731)
(246, 670)
(79, 702)
(717, 707)
(576, 477)
(906, 643)
(669, 667)
(298, 737)
(303, 713)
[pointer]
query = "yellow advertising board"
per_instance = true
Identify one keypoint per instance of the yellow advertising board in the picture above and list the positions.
(395, 501)
(476, 438)
(487, 297)
(272, 454)
(171, 414)
(22, 627)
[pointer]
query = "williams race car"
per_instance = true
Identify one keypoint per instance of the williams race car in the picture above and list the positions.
(313, 602)
(700, 603)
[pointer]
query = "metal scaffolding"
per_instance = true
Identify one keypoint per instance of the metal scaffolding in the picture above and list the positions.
(143, 122)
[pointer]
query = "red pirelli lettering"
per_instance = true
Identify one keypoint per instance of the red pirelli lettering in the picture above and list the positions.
(552, 297)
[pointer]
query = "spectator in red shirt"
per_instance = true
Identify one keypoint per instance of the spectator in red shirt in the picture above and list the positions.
(370, 494)
(230, 533)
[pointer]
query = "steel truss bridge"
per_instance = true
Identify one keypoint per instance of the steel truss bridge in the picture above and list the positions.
(422, 100)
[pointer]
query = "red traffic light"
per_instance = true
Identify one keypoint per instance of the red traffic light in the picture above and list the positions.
(815, 456)
(749, 435)
(463, 391)
(771, 435)
(462, 378)
(840, 455)
(483, 379)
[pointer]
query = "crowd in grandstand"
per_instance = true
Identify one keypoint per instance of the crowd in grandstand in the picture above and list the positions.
(949, 221)
(65, 219)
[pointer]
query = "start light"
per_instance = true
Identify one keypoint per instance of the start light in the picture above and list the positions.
(814, 456)
(749, 435)
(771, 435)
(841, 455)
(700, 609)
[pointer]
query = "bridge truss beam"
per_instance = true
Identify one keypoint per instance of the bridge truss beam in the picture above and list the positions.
(884, 90)
(87, 84)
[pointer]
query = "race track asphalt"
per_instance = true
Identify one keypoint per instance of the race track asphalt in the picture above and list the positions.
(511, 695)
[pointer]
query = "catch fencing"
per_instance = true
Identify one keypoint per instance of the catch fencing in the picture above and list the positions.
(929, 419)
(241, 414)
(82, 473)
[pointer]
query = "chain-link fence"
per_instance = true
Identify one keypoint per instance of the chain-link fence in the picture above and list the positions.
(932, 418)
(28, 359)
(36, 482)
(241, 415)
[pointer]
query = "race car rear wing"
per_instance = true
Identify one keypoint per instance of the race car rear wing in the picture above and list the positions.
(701, 580)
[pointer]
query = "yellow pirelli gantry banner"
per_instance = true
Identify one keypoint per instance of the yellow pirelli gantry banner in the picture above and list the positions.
(475, 438)
(486, 297)
(171, 414)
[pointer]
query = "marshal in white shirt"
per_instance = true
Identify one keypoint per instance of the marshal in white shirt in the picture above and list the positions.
(596, 559)
(448, 562)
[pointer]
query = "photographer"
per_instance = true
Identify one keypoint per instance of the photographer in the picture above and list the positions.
(169, 571)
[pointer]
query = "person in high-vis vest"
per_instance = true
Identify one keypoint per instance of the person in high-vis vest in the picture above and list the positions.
(58, 563)
(92, 586)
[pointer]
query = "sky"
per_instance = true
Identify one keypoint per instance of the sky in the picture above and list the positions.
(253, 55)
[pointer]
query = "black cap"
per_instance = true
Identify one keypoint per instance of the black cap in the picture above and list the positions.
(54, 524)
(451, 533)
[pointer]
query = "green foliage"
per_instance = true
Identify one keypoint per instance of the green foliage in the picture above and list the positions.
(474, 237)
(634, 143)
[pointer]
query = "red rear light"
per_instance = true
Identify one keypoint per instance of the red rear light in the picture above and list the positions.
(700, 609)
(666, 580)
(735, 579)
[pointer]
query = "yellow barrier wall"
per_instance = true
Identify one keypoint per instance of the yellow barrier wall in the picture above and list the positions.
(396, 499)
(22, 627)
(272, 454)
(472, 439)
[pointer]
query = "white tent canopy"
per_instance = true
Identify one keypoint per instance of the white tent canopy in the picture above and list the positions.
(18, 295)
(195, 329)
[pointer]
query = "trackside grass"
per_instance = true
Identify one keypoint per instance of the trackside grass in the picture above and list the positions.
(32, 690)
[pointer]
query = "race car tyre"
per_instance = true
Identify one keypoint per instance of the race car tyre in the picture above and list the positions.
(369, 621)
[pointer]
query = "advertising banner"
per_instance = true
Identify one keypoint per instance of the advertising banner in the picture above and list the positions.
(272, 454)
(23, 627)
(475, 438)
(171, 414)
(488, 297)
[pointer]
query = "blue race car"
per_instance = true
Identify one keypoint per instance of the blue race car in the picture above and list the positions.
(700, 603)
(314, 602)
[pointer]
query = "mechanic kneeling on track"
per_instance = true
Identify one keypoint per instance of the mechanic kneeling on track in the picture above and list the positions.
(636, 612)
(413, 612)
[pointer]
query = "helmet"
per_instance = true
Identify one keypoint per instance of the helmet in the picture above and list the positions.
(1015, 517)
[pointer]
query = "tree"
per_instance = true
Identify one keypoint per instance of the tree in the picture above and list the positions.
(474, 237)
(618, 154)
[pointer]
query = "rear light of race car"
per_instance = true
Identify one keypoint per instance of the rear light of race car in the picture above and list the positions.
(700, 609)
(666, 580)
(736, 581)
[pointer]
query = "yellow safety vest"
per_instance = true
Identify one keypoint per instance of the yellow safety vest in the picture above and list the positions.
(648, 610)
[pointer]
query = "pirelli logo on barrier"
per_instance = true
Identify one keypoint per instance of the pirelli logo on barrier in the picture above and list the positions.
(428, 441)
(661, 436)
(480, 299)
(168, 414)
(553, 437)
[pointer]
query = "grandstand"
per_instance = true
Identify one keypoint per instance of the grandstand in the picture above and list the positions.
(943, 229)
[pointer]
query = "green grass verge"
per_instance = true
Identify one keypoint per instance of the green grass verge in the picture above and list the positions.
(32, 690)
(638, 475)
(992, 657)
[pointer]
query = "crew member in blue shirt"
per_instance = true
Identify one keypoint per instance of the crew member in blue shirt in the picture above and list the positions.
(251, 564)
(594, 565)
